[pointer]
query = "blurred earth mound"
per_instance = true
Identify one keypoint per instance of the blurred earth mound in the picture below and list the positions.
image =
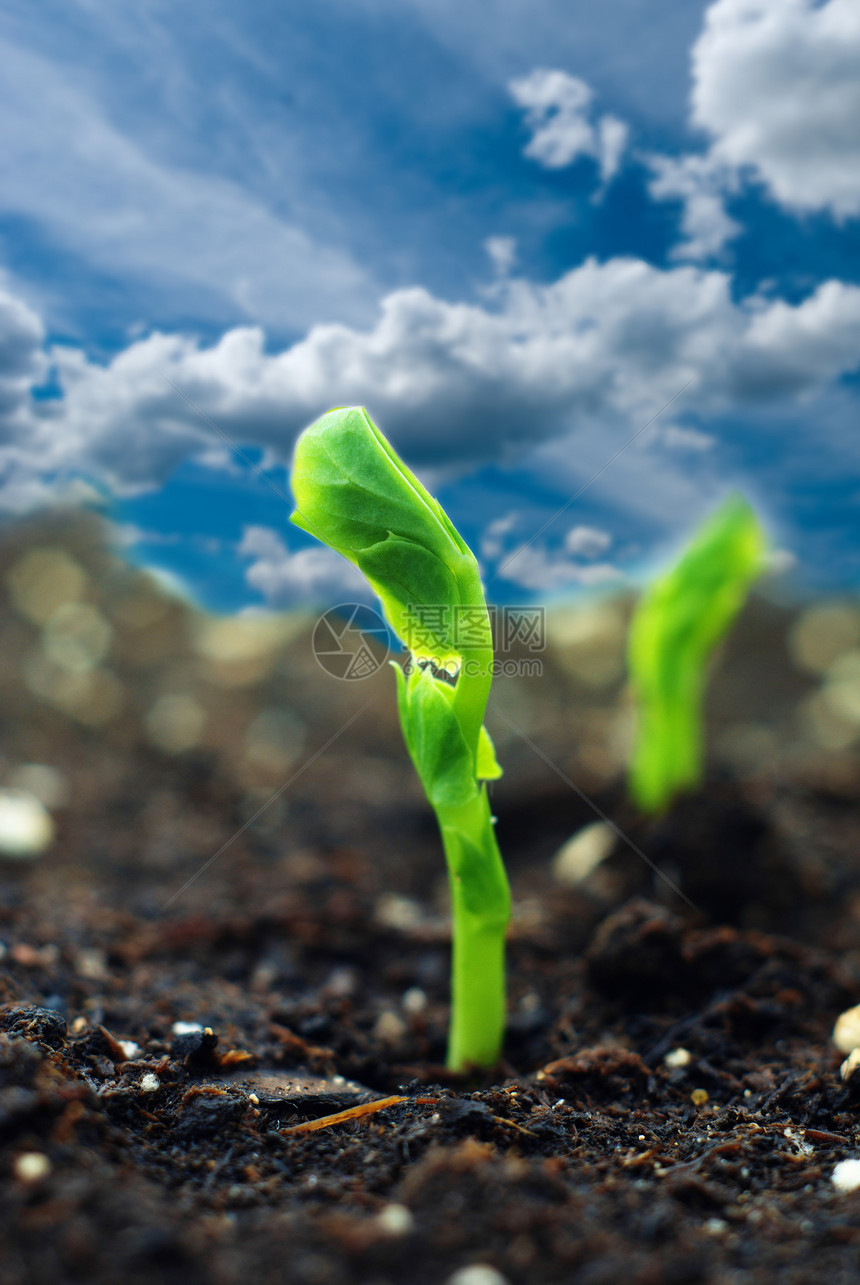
(140, 733)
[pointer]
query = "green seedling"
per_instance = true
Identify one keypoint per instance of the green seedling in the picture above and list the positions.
(676, 626)
(354, 494)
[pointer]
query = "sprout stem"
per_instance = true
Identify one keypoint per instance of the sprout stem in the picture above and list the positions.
(480, 910)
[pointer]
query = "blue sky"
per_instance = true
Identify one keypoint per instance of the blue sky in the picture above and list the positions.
(516, 232)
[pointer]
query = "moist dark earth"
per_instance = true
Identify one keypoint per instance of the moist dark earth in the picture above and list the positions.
(173, 1011)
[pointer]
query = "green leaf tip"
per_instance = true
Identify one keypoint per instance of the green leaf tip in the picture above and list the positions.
(488, 768)
(356, 495)
(677, 624)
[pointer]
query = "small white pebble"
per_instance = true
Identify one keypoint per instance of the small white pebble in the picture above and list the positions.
(31, 1166)
(846, 1032)
(341, 982)
(715, 1226)
(414, 1001)
(150, 1083)
(393, 911)
(677, 1058)
(846, 1175)
(92, 964)
(395, 1220)
(850, 1065)
(389, 1028)
(252, 1097)
(129, 1048)
(186, 1028)
(582, 854)
(26, 826)
(480, 1274)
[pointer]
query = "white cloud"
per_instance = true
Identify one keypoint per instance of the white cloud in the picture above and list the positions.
(777, 87)
(539, 570)
(503, 253)
(793, 347)
(23, 364)
(285, 578)
(22, 358)
(587, 541)
(127, 534)
(612, 135)
(262, 543)
(700, 185)
(534, 567)
(558, 113)
(591, 356)
(683, 439)
(493, 538)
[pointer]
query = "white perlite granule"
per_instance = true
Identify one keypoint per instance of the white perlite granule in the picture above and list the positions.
(480, 1274)
(846, 1032)
(846, 1175)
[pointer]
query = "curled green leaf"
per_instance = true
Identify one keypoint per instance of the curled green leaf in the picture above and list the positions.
(436, 743)
(355, 494)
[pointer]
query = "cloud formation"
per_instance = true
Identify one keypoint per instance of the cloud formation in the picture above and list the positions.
(776, 90)
(776, 86)
(502, 251)
(558, 113)
(22, 359)
(456, 385)
(587, 541)
(314, 575)
(541, 571)
(700, 184)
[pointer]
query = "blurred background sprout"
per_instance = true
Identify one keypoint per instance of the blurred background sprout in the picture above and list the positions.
(677, 624)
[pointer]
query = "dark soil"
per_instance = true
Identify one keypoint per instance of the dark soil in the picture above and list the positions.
(309, 962)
